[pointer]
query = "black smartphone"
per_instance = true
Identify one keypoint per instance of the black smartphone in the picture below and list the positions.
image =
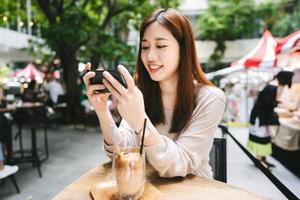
(98, 78)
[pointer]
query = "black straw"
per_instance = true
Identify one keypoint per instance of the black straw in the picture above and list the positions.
(143, 136)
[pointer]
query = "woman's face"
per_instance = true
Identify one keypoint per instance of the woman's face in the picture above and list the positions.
(160, 53)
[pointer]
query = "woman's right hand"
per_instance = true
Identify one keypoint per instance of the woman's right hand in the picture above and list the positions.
(97, 99)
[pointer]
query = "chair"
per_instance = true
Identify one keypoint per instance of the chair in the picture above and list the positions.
(218, 159)
(13, 180)
(34, 117)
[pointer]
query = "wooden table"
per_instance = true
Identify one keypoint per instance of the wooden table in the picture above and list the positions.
(25, 114)
(6, 109)
(11, 108)
(191, 187)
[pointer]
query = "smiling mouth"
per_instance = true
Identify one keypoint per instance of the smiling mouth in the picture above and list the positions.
(154, 68)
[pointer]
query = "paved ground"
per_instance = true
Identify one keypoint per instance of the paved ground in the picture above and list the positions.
(73, 152)
(242, 172)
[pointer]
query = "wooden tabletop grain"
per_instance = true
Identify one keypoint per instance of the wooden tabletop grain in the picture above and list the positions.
(190, 187)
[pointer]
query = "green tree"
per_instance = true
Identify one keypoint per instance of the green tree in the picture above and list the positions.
(108, 44)
(234, 19)
(91, 29)
(10, 10)
(67, 28)
(115, 49)
(85, 30)
(289, 23)
(73, 24)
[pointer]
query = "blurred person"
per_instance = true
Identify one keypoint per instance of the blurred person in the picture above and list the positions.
(263, 120)
(55, 88)
(293, 96)
(290, 97)
(42, 95)
(232, 110)
(30, 93)
(2, 101)
(6, 170)
(5, 133)
(182, 108)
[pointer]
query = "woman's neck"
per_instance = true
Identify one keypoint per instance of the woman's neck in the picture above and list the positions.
(168, 88)
(168, 94)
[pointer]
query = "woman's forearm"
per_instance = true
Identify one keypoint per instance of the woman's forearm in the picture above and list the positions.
(152, 136)
(106, 120)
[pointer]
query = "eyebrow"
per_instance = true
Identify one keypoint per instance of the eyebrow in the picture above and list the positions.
(157, 39)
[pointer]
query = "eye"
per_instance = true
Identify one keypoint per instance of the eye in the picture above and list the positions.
(161, 46)
(145, 47)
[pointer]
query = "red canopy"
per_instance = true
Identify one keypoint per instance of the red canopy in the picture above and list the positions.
(30, 71)
(288, 43)
(263, 55)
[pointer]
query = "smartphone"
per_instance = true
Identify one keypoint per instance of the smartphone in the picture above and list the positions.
(98, 78)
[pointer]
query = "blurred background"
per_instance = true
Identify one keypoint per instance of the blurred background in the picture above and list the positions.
(44, 45)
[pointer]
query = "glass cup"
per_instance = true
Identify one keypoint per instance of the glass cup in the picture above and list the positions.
(129, 171)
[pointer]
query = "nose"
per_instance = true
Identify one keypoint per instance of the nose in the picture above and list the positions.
(152, 55)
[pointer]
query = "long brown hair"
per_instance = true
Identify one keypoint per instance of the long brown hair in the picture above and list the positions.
(189, 71)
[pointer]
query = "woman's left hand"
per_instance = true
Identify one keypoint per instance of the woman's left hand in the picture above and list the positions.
(130, 101)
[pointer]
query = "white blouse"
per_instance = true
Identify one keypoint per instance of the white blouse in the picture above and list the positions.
(187, 152)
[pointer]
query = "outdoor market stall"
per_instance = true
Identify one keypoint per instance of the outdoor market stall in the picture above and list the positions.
(244, 79)
(286, 143)
(30, 72)
(246, 76)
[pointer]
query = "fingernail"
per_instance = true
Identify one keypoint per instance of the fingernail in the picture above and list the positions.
(105, 73)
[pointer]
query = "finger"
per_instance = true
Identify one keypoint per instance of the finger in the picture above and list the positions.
(95, 89)
(101, 98)
(117, 86)
(111, 89)
(88, 67)
(86, 78)
(92, 88)
(128, 78)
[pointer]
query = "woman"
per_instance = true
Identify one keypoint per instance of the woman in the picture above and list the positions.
(181, 106)
(5, 133)
(264, 120)
(5, 128)
(6, 170)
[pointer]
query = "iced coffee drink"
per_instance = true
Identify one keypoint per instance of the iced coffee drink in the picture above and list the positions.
(129, 173)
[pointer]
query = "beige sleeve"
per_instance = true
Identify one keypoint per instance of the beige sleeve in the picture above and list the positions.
(186, 154)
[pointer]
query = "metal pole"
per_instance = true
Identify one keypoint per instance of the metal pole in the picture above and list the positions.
(6, 14)
(18, 16)
(29, 17)
(246, 97)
